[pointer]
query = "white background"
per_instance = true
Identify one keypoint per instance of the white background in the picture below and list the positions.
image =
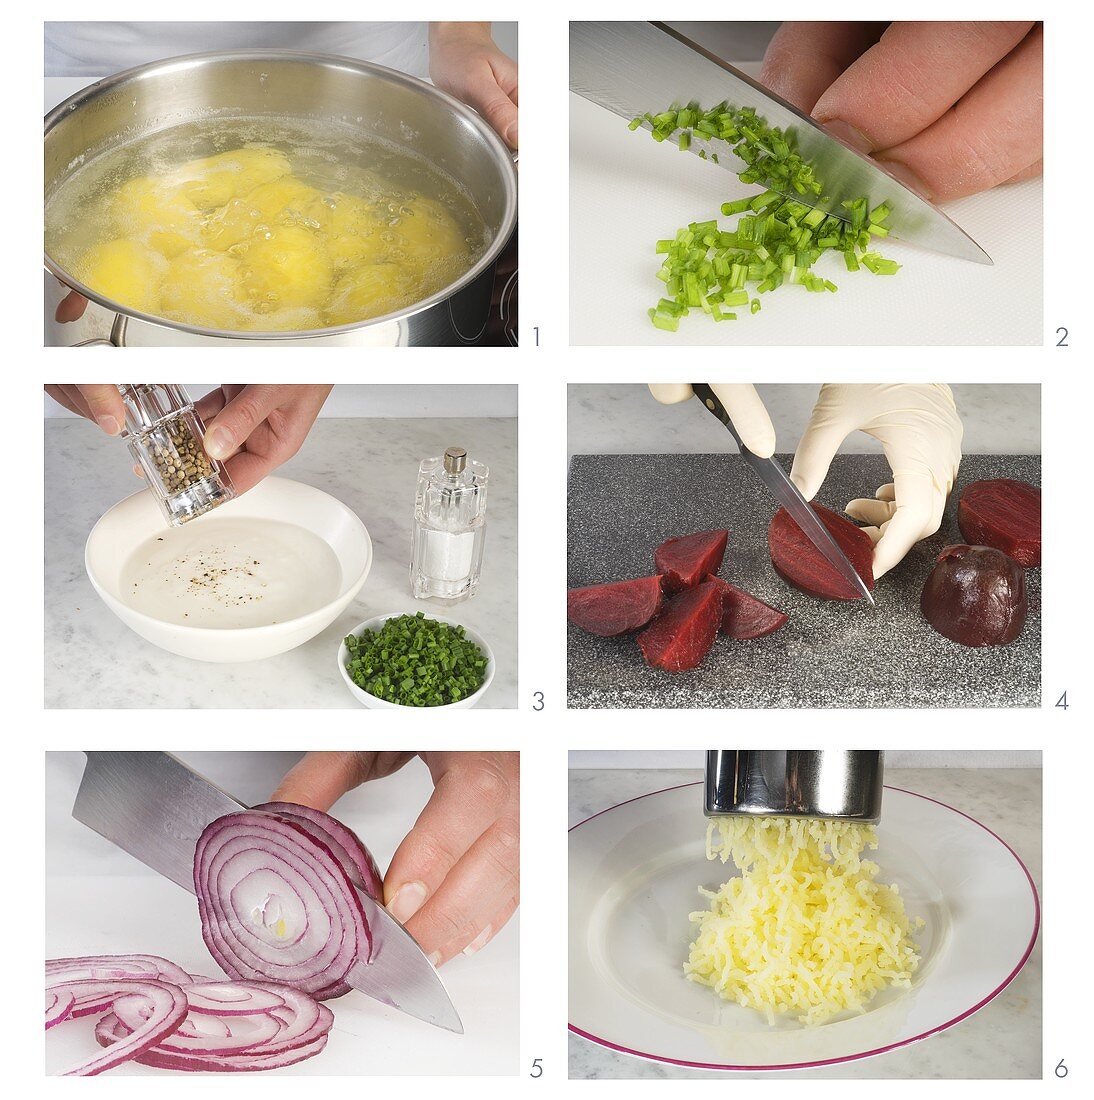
(542, 373)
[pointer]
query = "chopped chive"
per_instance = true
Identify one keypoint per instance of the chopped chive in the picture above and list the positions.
(778, 237)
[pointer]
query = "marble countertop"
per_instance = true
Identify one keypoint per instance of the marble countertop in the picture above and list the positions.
(93, 660)
(1002, 1041)
(624, 419)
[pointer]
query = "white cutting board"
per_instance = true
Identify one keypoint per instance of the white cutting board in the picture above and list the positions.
(99, 900)
(627, 191)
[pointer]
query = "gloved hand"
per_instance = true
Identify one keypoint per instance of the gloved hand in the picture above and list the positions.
(741, 401)
(920, 432)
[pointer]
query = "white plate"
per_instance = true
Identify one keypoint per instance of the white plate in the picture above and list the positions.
(132, 521)
(634, 873)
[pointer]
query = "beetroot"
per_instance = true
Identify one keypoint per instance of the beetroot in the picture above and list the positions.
(1003, 513)
(687, 560)
(609, 609)
(684, 632)
(745, 617)
(798, 561)
(976, 595)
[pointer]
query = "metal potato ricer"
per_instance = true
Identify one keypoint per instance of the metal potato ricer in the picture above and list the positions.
(840, 784)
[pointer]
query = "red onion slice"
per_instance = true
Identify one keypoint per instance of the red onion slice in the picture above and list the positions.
(164, 1008)
(344, 843)
(232, 998)
(276, 904)
(288, 1033)
(107, 968)
(59, 1004)
(109, 1031)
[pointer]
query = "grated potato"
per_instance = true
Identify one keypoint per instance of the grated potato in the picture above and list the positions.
(805, 928)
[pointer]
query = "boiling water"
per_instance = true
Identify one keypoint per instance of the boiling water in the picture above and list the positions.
(260, 224)
(231, 573)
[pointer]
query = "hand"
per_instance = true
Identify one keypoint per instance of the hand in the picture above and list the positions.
(464, 61)
(103, 404)
(455, 880)
(741, 401)
(254, 429)
(920, 432)
(949, 108)
(70, 308)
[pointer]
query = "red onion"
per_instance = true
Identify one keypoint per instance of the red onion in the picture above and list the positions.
(58, 1006)
(108, 1031)
(285, 1026)
(208, 1025)
(344, 843)
(277, 905)
(161, 1008)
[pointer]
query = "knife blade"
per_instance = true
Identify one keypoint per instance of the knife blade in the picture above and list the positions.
(631, 68)
(154, 806)
(788, 495)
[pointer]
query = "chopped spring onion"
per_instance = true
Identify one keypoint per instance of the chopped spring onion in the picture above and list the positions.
(777, 239)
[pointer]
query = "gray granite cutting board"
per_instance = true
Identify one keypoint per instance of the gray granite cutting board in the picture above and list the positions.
(830, 654)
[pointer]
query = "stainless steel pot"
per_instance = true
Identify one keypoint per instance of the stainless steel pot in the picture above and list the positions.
(279, 83)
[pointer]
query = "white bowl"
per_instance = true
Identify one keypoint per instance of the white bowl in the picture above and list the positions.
(132, 521)
(375, 703)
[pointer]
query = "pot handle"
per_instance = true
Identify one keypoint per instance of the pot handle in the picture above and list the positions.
(116, 339)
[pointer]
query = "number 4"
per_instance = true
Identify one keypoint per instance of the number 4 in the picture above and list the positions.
(1062, 702)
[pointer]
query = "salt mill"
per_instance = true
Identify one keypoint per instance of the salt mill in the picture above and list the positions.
(449, 527)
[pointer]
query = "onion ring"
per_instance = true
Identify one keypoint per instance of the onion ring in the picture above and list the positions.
(344, 843)
(277, 905)
(165, 1009)
(59, 1004)
(272, 1036)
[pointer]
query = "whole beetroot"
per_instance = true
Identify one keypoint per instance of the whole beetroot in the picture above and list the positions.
(976, 595)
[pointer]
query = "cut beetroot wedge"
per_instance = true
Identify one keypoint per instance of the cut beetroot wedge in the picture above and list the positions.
(1005, 514)
(801, 564)
(616, 608)
(689, 559)
(681, 636)
(744, 616)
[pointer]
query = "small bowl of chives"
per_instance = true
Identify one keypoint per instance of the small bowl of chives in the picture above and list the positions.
(410, 661)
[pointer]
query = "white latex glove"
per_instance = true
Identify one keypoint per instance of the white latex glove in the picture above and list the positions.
(741, 401)
(920, 432)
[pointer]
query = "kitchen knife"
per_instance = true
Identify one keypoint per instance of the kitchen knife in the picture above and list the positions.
(632, 68)
(155, 807)
(788, 495)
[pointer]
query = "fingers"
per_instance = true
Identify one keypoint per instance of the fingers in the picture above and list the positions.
(212, 403)
(484, 883)
(822, 438)
(70, 308)
(70, 397)
(914, 513)
(804, 58)
(874, 512)
(105, 406)
(749, 416)
(671, 393)
(993, 134)
(229, 429)
(485, 94)
(321, 778)
(911, 78)
(465, 802)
